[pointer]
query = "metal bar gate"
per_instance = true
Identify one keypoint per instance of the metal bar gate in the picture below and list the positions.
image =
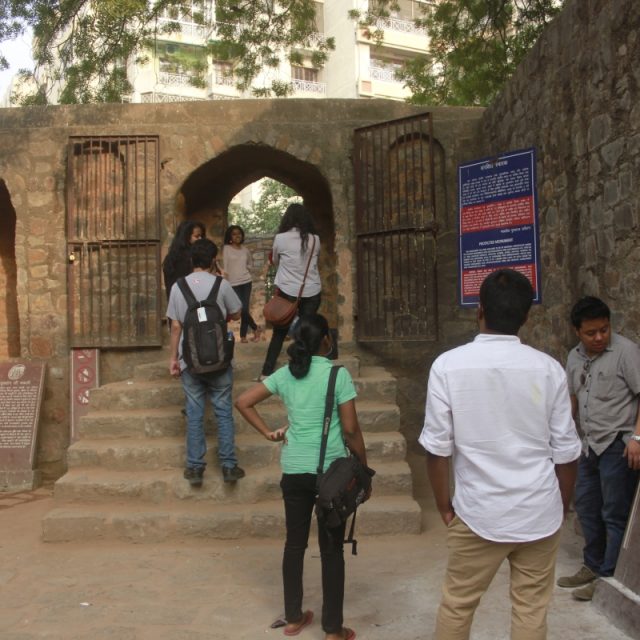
(396, 230)
(113, 241)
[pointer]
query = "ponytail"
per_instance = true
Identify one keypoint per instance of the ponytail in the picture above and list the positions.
(308, 336)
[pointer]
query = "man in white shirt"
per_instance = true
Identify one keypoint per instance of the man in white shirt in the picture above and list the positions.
(502, 410)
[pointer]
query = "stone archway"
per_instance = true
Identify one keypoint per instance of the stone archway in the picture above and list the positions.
(208, 190)
(9, 319)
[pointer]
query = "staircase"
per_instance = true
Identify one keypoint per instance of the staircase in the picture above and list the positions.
(124, 479)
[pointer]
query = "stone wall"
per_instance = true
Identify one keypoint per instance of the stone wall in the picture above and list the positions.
(208, 152)
(576, 98)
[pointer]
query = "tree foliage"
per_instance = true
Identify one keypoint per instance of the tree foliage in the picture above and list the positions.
(85, 46)
(474, 45)
(263, 217)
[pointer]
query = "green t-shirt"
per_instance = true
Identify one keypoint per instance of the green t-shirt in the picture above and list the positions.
(305, 399)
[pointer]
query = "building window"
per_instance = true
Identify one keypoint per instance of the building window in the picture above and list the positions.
(305, 74)
(223, 73)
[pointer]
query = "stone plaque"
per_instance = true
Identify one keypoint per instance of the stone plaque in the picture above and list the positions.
(21, 385)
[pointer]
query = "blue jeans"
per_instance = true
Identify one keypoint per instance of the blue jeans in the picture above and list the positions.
(299, 494)
(218, 387)
(604, 493)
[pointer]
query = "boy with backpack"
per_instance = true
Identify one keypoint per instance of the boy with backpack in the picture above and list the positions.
(201, 352)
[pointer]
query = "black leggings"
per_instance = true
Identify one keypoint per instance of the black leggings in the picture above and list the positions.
(243, 291)
(299, 494)
(307, 306)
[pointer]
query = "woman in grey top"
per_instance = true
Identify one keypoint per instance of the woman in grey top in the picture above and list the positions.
(294, 243)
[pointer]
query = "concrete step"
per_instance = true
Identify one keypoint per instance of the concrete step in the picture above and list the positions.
(150, 524)
(165, 486)
(169, 421)
(245, 367)
(373, 384)
(147, 454)
(132, 423)
(372, 416)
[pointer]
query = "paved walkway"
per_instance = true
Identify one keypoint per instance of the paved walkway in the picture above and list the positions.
(212, 590)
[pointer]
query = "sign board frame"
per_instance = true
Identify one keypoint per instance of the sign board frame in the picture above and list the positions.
(498, 221)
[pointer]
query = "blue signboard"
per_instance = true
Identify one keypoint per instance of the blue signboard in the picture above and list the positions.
(498, 221)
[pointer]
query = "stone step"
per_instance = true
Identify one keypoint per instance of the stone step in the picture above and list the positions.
(139, 523)
(146, 454)
(166, 486)
(169, 421)
(244, 368)
(136, 394)
(374, 383)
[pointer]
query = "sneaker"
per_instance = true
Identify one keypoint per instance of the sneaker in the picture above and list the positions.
(232, 474)
(584, 594)
(584, 576)
(194, 476)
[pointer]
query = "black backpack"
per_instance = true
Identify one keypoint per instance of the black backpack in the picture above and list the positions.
(206, 345)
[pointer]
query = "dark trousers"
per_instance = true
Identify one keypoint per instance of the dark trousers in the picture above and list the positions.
(243, 291)
(307, 306)
(299, 494)
(604, 493)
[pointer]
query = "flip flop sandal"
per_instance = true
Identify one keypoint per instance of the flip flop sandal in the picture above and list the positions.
(351, 634)
(307, 619)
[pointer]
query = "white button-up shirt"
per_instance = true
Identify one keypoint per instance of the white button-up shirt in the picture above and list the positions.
(502, 410)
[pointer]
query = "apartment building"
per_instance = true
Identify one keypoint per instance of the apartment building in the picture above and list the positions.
(358, 68)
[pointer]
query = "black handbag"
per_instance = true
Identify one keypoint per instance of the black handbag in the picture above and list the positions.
(345, 484)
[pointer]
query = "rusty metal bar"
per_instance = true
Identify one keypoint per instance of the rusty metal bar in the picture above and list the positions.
(113, 219)
(396, 261)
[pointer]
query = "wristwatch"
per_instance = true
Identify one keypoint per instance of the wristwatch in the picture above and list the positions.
(635, 437)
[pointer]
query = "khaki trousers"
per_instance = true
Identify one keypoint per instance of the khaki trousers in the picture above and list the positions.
(474, 561)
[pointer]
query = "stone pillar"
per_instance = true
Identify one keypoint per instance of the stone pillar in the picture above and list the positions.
(619, 597)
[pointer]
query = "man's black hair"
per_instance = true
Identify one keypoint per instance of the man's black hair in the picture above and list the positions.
(506, 297)
(203, 253)
(589, 308)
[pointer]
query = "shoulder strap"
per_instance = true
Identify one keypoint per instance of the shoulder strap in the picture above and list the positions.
(313, 246)
(213, 294)
(328, 412)
(186, 292)
(191, 299)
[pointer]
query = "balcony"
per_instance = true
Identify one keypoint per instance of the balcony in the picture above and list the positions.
(154, 97)
(176, 79)
(384, 74)
(309, 86)
(401, 25)
(187, 30)
(221, 79)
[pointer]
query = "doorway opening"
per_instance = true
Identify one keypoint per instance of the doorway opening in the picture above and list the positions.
(9, 317)
(207, 195)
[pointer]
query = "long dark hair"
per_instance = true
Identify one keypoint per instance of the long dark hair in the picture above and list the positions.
(308, 336)
(230, 229)
(181, 243)
(297, 216)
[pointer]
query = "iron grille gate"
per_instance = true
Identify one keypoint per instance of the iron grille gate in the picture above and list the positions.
(113, 231)
(396, 230)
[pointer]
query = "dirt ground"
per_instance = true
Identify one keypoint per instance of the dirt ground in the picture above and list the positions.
(217, 590)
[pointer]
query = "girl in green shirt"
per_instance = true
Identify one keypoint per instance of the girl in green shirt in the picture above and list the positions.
(302, 387)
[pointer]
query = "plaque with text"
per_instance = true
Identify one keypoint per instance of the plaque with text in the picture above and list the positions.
(21, 386)
(498, 218)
